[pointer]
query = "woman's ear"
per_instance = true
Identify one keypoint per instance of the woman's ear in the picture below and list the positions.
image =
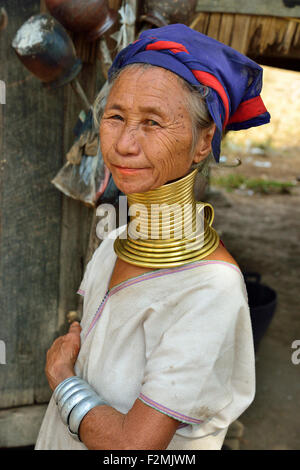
(203, 147)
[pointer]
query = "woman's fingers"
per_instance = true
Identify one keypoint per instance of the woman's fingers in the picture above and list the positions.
(62, 355)
(74, 334)
(75, 327)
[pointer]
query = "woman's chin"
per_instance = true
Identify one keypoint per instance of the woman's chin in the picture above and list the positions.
(132, 184)
(131, 188)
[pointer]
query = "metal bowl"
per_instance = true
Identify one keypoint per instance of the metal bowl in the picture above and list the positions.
(47, 51)
(91, 16)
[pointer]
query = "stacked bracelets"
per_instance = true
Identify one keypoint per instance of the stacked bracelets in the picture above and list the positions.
(75, 398)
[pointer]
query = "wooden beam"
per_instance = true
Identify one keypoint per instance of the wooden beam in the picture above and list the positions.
(251, 7)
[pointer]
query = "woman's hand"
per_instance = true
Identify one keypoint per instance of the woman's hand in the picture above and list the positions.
(62, 356)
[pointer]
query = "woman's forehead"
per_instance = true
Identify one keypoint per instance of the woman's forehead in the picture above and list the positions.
(147, 72)
(150, 87)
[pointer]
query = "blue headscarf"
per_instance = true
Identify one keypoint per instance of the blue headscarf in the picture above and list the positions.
(234, 80)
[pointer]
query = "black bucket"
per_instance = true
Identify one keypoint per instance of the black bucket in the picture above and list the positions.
(262, 303)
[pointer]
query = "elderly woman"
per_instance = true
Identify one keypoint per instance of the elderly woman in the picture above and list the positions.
(163, 357)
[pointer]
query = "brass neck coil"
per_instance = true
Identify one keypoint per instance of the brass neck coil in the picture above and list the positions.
(167, 227)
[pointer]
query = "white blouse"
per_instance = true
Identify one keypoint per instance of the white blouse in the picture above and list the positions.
(179, 339)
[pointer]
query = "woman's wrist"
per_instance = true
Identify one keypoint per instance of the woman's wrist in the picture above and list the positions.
(58, 378)
(74, 398)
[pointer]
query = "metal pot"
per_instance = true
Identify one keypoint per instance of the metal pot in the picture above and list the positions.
(162, 12)
(91, 16)
(46, 50)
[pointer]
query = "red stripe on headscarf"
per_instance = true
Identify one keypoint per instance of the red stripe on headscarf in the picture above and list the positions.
(210, 80)
(248, 110)
(203, 77)
(171, 45)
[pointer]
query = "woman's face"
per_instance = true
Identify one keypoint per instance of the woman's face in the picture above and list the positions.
(146, 130)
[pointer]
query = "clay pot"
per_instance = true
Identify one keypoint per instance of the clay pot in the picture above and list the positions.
(46, 50)
(90, 16)
(162, 12)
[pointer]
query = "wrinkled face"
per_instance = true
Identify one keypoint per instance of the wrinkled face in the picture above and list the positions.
(146, 130)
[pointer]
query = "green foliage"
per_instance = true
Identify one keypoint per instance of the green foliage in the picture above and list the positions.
(258, 185)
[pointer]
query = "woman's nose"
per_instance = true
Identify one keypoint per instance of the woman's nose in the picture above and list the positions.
(127, 143)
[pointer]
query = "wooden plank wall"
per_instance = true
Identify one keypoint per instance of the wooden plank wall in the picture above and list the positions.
(30, 207)
(250, 33)
(45, 235)
(269, 40)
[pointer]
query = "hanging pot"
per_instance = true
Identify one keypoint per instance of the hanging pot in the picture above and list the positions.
(160, 13)
(90, 16)
(45, 48)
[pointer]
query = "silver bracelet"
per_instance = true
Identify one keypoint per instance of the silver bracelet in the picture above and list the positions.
(60, 386)
(79, 411)
(75, 388)
(75, 398)
(66, 385)
(72, 401)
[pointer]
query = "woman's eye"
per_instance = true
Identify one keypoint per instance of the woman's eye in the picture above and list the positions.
(152, 123)
(117, 117)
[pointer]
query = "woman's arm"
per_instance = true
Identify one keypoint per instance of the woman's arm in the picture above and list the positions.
(103, 427)
(141, 428)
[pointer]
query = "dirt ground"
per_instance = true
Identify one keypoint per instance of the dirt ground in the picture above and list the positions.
(262, 233)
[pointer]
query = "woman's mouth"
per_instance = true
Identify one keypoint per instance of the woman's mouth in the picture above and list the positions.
(128, 171)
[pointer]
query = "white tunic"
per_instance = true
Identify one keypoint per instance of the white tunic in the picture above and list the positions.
(179, 339)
